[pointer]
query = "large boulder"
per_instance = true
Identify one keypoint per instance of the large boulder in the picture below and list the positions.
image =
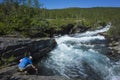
(13, 49)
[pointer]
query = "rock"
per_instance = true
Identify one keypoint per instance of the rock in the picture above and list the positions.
(36, 77)
(69, 29)
(104, 34)
(114, 46)
(13, 49)
(79, 29)
(65, 30)
(76, 29)
(11, 73)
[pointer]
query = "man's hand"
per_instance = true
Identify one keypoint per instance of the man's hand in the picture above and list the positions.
(36, 70)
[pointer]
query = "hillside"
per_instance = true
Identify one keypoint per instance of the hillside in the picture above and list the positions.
(27, 21)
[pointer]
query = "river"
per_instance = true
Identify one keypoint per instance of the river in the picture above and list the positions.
(81, 55)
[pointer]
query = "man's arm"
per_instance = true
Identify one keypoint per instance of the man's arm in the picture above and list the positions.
(34, 67)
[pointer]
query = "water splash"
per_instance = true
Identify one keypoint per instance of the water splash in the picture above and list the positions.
(80, 56)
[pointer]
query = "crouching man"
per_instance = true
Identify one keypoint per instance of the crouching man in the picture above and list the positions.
(26, 64)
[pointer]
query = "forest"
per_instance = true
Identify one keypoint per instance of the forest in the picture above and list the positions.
(27, 17)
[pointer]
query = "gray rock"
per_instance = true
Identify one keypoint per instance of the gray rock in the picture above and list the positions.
(13, 49)
(114, 46)
(11, 73)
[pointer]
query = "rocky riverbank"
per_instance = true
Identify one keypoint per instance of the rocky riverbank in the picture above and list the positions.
(114, 46)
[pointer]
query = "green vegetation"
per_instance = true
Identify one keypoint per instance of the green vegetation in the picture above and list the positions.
(8, 60)
(27, 18)
(115, 29)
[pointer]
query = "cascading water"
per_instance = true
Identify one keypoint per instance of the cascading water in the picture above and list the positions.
(81, 56)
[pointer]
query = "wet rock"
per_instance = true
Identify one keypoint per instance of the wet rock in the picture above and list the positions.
(114, 46)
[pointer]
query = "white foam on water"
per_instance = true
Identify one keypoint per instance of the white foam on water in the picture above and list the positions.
(81, 39)
(68, 60)
(90, 33)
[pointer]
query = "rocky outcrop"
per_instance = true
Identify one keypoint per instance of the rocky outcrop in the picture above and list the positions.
(13, 49)
(68, 29)
(71, 29)
(64, 30)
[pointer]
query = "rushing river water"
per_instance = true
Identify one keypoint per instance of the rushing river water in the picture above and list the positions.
(81, 55)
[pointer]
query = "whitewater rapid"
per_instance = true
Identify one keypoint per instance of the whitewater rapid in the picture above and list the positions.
(82, 55)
